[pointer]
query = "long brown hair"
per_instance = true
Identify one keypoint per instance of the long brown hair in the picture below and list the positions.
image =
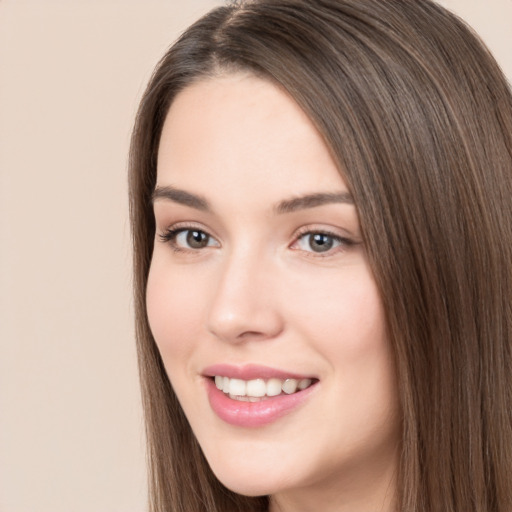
(418, 116)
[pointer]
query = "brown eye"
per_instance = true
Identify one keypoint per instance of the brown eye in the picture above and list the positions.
(182, 239)
(196, 239)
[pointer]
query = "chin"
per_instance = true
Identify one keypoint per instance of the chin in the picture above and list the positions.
(249, 481)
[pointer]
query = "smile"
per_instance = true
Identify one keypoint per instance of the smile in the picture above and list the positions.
(255, 396)
(256, 390)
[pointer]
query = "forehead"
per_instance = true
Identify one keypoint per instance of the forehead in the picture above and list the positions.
(241, 133)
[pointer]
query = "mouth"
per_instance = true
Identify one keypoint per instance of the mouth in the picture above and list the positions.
(256, 390)
(254, 396)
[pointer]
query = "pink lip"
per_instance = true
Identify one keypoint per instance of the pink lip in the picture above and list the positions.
(250, 371)
(252, 414)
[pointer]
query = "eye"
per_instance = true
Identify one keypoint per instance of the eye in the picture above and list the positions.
(188, 239)
(320, 242)
(192, 238)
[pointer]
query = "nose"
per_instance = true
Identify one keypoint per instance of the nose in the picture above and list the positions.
(244, 303)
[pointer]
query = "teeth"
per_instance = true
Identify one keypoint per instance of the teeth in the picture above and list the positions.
(274, 387)
(304, 383)
(290, 386)
(254, 390)
(237, 387)
(239, 398)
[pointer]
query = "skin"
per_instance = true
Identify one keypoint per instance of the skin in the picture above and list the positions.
(260, 292)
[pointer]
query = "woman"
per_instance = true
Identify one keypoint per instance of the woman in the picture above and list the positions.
(320, 199)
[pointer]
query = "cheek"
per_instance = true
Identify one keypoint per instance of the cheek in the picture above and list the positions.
(175, 311)
(346, 324)
(344, 315)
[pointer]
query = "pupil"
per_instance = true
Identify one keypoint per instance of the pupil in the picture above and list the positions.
(320, 242)
(197, 239)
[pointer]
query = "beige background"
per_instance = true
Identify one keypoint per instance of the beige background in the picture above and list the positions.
(71, 73)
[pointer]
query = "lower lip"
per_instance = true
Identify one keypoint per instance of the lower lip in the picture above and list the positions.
(254, 414)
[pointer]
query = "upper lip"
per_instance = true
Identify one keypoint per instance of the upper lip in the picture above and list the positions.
(251, 371)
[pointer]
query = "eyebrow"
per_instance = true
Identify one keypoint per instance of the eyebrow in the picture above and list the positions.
(313, 200)
(182, 197)
(287, 206)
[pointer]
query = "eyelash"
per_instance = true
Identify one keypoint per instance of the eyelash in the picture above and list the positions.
(170, 235)
(343, 242)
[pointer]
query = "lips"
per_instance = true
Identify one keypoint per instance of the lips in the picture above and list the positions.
(252, 395)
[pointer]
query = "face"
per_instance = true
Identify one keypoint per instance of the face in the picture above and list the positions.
(259, 285)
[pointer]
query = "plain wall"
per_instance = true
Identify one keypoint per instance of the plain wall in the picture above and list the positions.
(71, 73)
